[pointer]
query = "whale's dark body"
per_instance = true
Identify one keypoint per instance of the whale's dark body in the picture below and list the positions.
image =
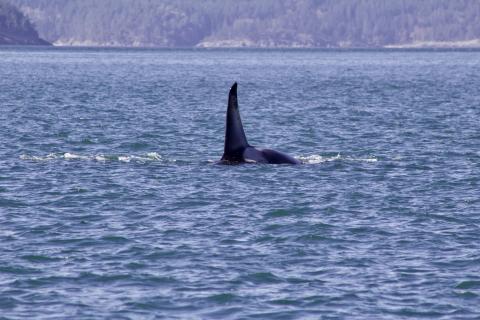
(237, 149)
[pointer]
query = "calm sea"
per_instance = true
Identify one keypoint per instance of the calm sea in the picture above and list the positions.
(112, 206)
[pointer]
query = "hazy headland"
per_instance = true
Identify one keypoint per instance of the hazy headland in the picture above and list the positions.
(15, 28)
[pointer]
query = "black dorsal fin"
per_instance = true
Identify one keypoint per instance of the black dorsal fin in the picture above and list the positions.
(235, 139)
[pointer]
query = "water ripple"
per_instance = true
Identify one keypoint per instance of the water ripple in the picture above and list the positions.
(112, 206)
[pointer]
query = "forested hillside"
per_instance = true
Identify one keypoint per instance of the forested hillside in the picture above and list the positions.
(15, 27)
(262, 23)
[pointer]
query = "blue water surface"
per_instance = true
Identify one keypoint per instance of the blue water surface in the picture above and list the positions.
(112, 206)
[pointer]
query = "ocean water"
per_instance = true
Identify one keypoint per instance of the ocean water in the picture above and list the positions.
(112, 205)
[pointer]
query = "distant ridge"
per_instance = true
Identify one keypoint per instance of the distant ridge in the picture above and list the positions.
(265, 23)
(16, 29)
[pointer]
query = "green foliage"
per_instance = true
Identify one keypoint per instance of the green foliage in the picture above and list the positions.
(320, 23)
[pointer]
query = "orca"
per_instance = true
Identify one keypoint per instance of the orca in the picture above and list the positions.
(237, 150)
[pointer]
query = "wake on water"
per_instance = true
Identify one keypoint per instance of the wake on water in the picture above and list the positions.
(316, 159)
(156, 157)
(151, 156)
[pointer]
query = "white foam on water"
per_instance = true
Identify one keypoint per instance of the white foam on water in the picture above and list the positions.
(51, 156)
(149, 157)
(124, 158)
(316, 159)
(100, 158)
(154, 156)
(72, 156)
(363, 159)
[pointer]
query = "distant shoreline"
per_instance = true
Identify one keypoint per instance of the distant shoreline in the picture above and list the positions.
(146, 48)
(475, 43)
(244, 44)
